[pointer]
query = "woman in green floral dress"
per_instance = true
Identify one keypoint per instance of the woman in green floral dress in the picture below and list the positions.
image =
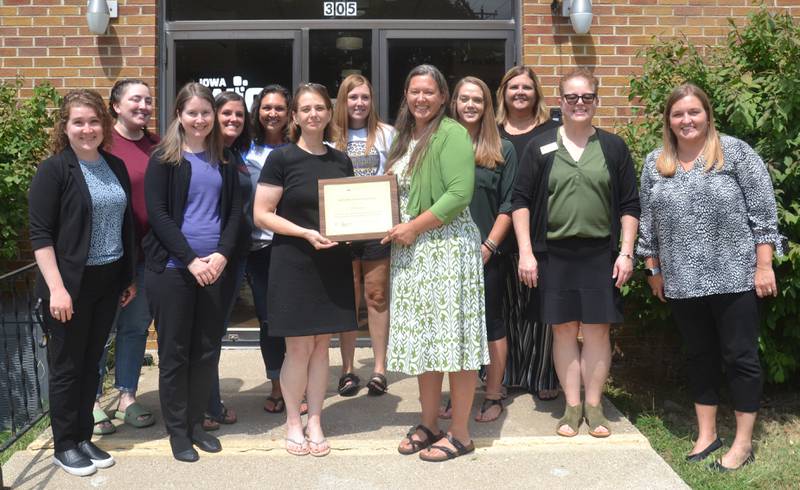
(437, 321)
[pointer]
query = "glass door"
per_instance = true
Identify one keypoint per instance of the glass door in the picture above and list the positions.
(483, 54)
(244, 61)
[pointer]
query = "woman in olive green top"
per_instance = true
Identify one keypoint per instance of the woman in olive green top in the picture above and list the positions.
(495, 169)
(437, 322)
(576, 208)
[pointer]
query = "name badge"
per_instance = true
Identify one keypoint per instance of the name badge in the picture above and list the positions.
(549, 148)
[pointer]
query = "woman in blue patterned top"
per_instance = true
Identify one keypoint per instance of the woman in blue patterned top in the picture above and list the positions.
(707, 234)
(82, 235)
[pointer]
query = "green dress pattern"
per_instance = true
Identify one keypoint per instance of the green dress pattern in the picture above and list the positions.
(437, 320)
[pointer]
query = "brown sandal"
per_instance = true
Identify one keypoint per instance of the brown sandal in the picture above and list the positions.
(448, 453)
(418, 445)
(486, 405)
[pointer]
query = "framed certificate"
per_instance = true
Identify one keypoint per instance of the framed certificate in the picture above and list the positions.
(358, 208)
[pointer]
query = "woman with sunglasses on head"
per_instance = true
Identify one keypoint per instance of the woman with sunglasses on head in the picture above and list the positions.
(366, 140)
(82, 236)
(708, 232)
(521, 116)
(437, 322)
(576, 210)
(311, 277)
(234, 125)
(194, 205)
(131, 105)
(270, 121)
(495, 169)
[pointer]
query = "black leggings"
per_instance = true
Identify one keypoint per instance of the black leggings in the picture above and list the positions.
(721, 329)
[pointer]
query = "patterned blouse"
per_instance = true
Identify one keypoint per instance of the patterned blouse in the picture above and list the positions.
(704, 226)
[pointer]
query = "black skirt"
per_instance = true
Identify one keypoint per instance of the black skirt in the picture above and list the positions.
(575, 282)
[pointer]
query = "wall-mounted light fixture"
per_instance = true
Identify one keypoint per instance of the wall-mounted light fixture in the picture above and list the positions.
(578, 11)
(98, 13)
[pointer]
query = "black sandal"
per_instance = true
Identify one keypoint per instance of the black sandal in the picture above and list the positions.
(377, 385)
(489, 403)
(461, 450)
(348, 384)
(418, 445)
(447, 408)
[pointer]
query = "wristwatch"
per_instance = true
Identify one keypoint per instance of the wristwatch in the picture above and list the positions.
(649, 272)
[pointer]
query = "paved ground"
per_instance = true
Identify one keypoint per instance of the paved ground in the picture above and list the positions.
(517, 451)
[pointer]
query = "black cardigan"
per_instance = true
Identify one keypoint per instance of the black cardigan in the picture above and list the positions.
(60, 212)
(533, 173)
(166, 189)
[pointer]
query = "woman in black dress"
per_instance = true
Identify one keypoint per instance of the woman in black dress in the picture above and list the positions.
(521, 115)
(310, 293)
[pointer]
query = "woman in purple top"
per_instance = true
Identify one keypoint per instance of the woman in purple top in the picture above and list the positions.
(194, 207)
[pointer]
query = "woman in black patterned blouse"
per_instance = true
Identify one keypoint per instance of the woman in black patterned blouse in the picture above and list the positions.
(707, 233)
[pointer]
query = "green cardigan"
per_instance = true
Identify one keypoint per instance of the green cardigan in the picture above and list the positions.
(444, 180)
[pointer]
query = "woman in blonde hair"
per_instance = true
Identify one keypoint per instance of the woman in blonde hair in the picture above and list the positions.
(495, 169)
(366, 140)
(194, 207)
(521, 116)
(82, 236)
(707, 234)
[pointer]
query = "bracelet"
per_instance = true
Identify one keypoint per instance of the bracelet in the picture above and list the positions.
(490, 245)
(622, 254)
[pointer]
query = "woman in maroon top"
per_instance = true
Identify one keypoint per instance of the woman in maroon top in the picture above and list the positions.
(131, 105)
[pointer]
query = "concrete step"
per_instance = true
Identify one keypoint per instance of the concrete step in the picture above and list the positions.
(519, 450)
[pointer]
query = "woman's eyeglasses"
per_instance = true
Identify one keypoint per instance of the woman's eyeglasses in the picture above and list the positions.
(572, 99)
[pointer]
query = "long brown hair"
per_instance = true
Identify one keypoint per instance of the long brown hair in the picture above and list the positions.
(170, 149)
(538, 111)
(488, 147)
(667, 161)
(341, 120)
(405, 122)
(322, 91)
(59, 140)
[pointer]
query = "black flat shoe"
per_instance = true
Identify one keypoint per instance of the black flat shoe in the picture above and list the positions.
(97, 456)
(74, 462)
(182, 449)
(205, 441)
(697, 457)
(717, 465)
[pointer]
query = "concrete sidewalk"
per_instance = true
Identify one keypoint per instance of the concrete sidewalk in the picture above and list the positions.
(519, 450)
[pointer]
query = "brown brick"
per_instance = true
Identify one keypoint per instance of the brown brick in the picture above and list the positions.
(32, 11)
(79, 61)
(49, 41)
(47, 21)
(17, 2)
(68, 10)
(31, 52)
(17, 61)
(71, 51)
(62, 31)
(63, 72)
(79, 82)
(16, 21)
(18, 41)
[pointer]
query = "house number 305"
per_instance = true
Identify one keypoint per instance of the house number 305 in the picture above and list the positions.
(340, 9)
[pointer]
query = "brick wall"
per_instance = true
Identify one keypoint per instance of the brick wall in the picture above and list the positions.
(49, 40)
(620, 28)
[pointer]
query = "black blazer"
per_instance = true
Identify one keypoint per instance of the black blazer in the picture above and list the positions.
(60, 211)
(533, 174)
(166, 188)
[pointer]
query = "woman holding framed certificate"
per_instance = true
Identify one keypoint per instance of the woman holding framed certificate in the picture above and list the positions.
(310, 292)
(437, 323)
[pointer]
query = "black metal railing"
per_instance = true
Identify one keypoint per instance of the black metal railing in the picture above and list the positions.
(23, 354)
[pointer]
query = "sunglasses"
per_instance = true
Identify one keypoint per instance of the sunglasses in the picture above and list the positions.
(572, 99)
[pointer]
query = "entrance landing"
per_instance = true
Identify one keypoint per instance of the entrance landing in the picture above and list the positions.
(519, 450)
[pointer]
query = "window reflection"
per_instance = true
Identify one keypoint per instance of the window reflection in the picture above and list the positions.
(241, 65)
(456, 58)
(335, 54)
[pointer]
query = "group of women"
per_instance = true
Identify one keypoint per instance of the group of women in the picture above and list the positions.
(516, 234)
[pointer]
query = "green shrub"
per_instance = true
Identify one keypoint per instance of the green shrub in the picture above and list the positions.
(754, 84)
(24, 125)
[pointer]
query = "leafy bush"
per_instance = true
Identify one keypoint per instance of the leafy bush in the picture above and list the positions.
(753, 83)
(24, 125)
